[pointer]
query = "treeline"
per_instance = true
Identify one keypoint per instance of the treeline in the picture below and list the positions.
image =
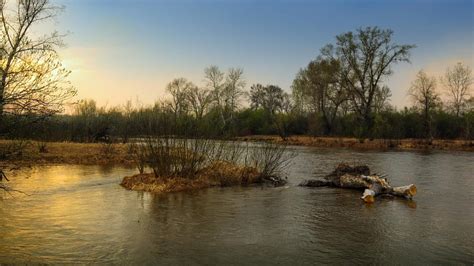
(100, 124)
(340, 93)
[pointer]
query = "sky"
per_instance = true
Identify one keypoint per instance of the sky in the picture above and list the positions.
(121, 50)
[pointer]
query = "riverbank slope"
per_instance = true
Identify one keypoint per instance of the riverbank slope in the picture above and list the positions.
(375, 144)
(25, 152)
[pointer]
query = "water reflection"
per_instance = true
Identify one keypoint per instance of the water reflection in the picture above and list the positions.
(79, 214)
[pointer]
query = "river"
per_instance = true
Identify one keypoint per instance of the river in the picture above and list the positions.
(79, 214)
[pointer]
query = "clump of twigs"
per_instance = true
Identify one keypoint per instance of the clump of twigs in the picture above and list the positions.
(14, 149)
(211, 162)
(107, 149)
(5, 187)
(42, 147)
(139, 156)
(271, 160)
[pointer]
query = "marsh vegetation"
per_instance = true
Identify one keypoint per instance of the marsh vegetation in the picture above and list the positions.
(184, 164)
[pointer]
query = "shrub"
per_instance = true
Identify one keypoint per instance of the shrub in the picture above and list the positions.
(107, 149)
(42, 147)
(14, 149)
(270, 160)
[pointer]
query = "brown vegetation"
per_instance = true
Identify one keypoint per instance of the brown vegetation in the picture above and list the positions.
(375, 144)
(32, 152)
(178, 164)
(219, 174)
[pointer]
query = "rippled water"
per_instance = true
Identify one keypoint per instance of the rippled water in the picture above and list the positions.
(80, 214)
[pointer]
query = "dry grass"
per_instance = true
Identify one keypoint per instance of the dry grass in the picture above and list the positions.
(68, 152)
(218, 174)
(376, 144)
(148, 182)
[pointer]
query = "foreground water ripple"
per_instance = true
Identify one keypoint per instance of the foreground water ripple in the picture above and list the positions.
(79, 214)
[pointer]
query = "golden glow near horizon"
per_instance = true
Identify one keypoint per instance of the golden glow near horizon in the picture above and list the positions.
(114, 60)
(114, 87)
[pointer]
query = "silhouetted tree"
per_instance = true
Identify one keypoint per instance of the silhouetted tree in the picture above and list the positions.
(215, 82)
(269, 98)
(32, 79)
(275, 103)
(87, 112)
(366, 58)
(320, 89)
(457, 82)
(234, 89)
(227, 91)
(426, 98)
(179, 89)
(199, 100)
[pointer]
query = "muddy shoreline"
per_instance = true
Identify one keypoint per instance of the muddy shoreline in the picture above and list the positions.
(365, 144)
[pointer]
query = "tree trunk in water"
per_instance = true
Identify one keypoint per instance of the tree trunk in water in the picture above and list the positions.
(358, 177)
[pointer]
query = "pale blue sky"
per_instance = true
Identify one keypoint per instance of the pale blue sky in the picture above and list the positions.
(121, 50)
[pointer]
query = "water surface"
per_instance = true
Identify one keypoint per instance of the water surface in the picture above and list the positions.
(79, 214)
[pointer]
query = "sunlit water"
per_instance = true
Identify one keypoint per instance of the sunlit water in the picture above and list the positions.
(79, 214)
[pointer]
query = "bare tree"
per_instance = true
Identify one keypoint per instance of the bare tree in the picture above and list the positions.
(366, 58)
(270, 98)
(214, 79)
(179, 89)
(199, 100)
(426, 98)
(86, 107)
(381, 99)
(226, 90)
(457, 82)
(87, 111)
(32, 79)
(298, 95)
(275, 102)
(282, 120)
(234, 89)
(320, 89)
(127, 110)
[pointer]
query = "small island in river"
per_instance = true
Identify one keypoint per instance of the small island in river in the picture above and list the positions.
(220, 174)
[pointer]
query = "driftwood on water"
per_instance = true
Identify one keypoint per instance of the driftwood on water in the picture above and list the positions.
(359, 177)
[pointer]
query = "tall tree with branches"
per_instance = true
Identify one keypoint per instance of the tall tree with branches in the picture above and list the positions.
(215, 82)
(426, 98)
(32, 78)
(226, 90)
(457, 82)
(199, 100)
(366, 58)
(275, 103)
(270, 98)
(234, 89)
(179, 90)
(319, 85)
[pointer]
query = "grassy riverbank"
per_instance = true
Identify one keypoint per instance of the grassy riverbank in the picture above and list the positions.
(175, 168)
(376, 144)
(33, 152)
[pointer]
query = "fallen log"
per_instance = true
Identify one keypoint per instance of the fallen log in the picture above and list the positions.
(359, 177)
(316, 183)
